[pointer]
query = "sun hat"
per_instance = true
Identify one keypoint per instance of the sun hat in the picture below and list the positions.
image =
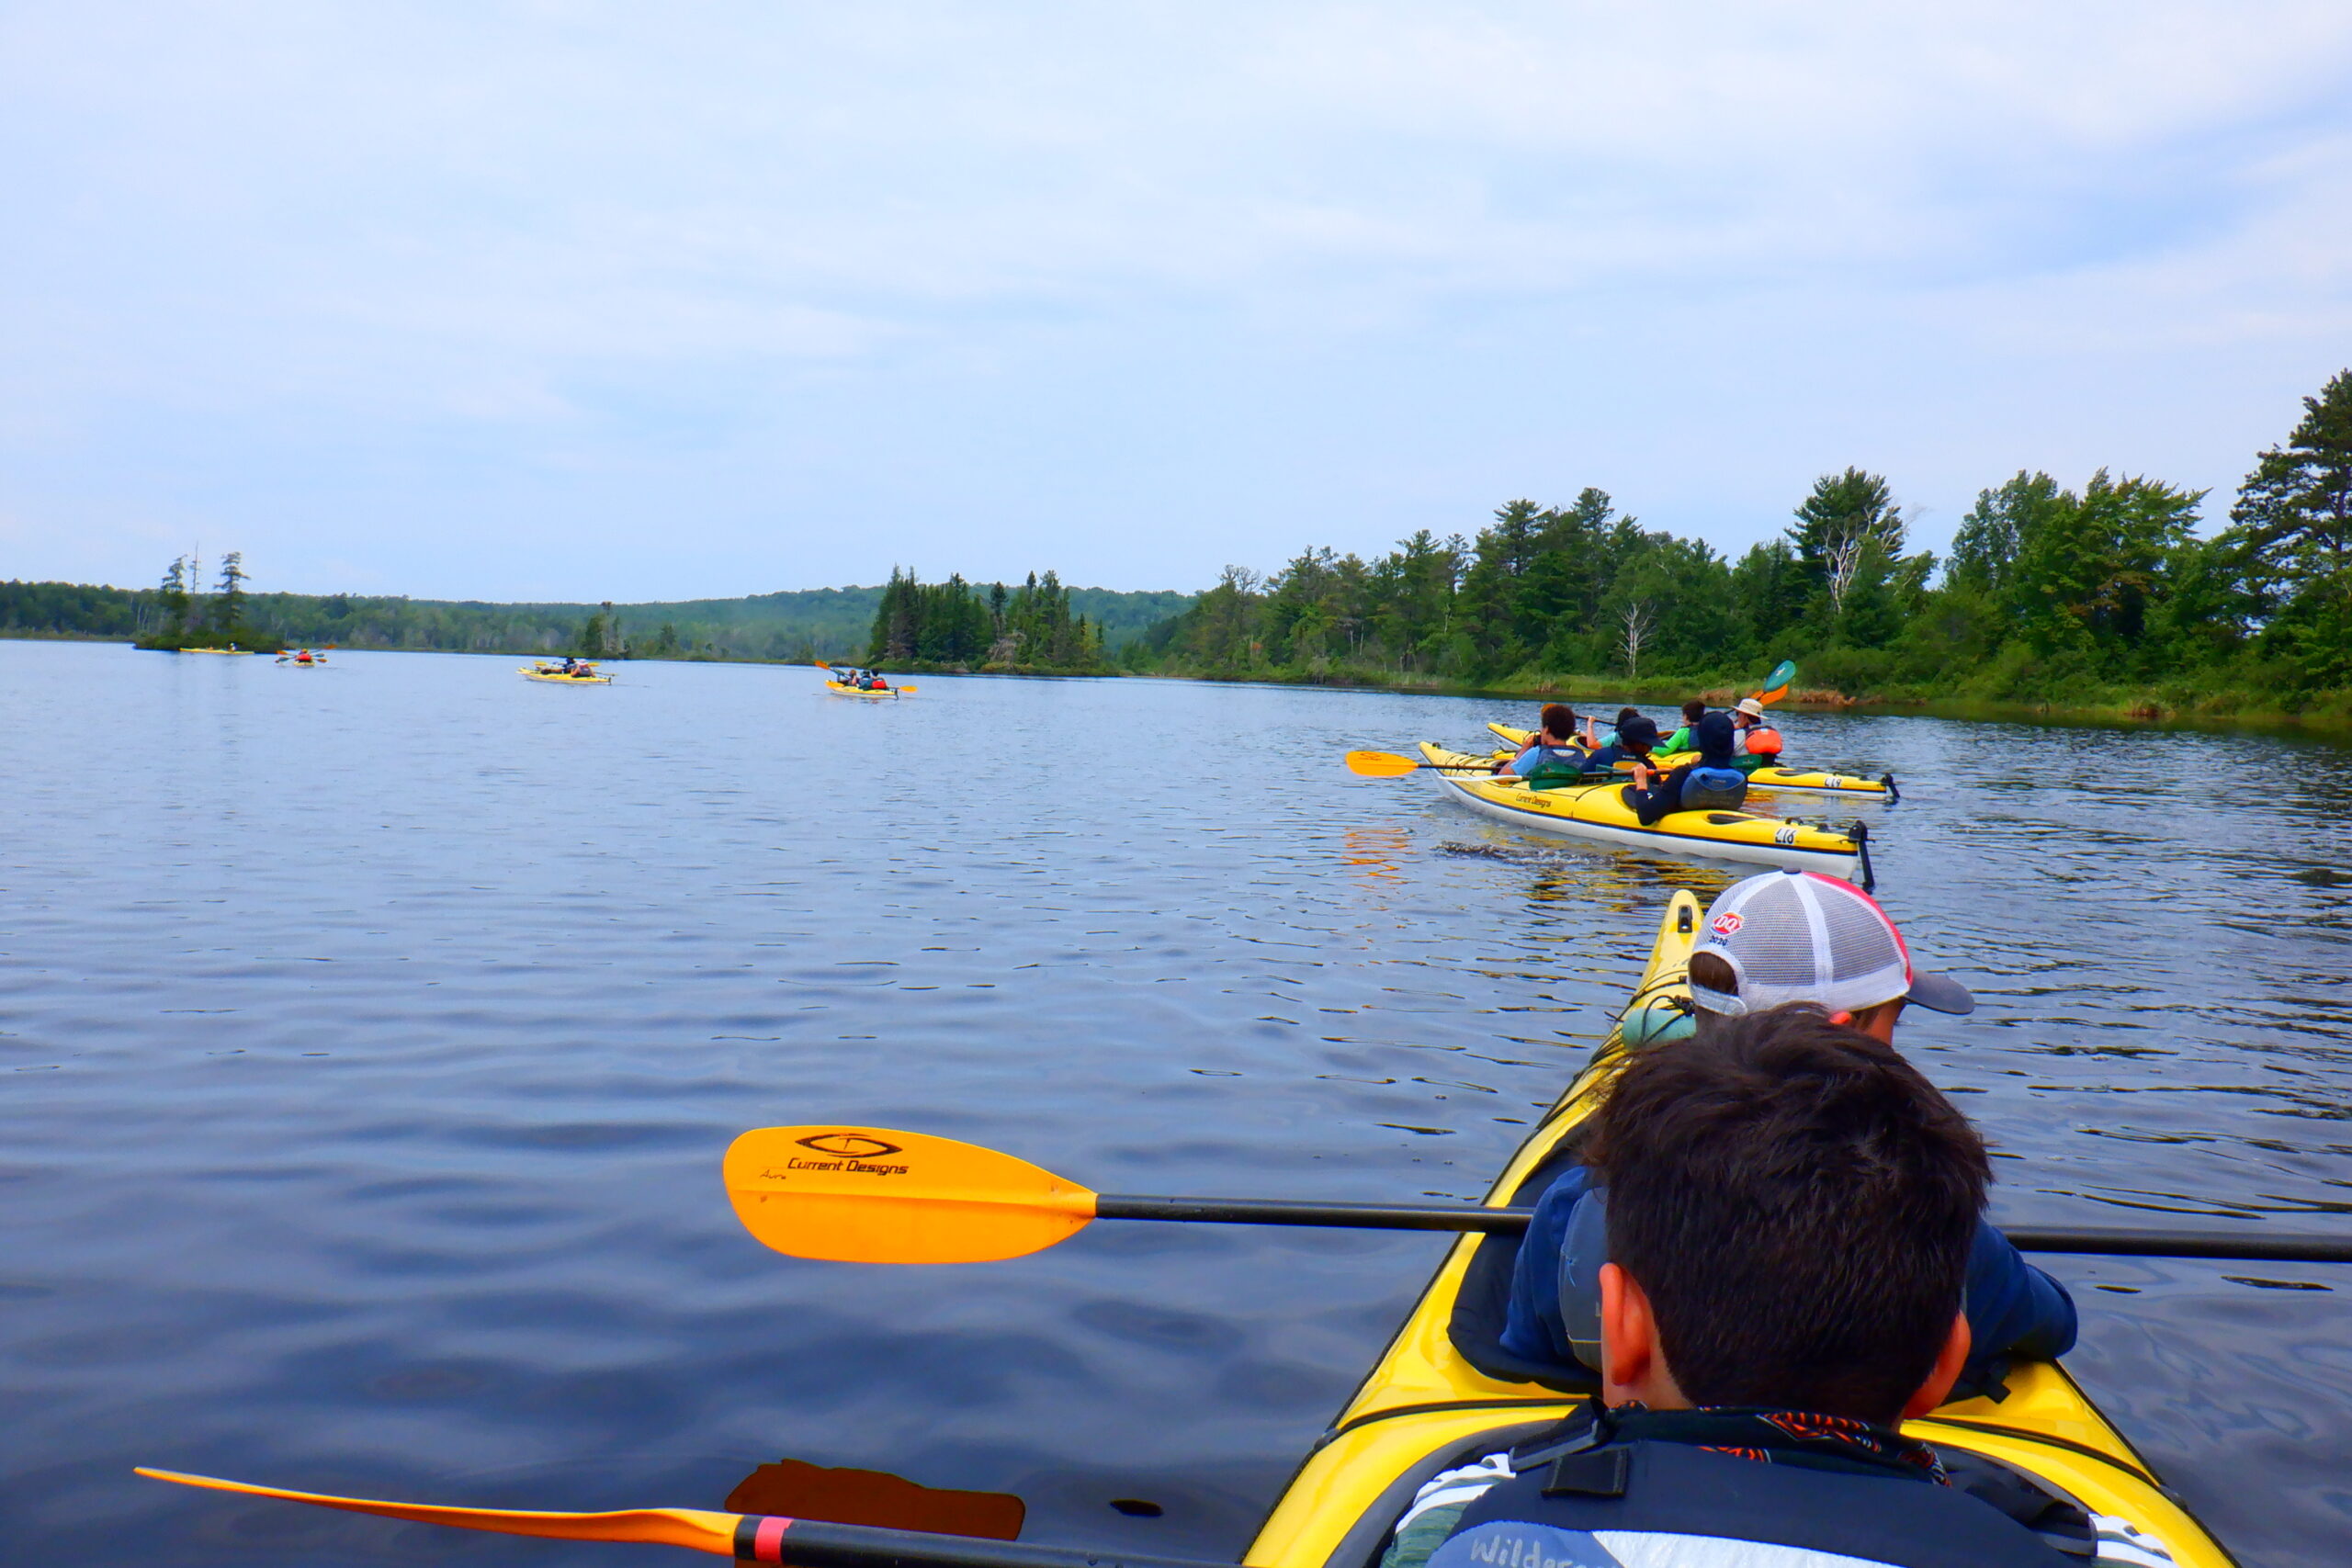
(1751, 707)
(1637, 733)
(1798, 936)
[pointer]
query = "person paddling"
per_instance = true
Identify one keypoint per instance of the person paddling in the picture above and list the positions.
(1551, 756)
(1790, 1218)
(1709, 783)
(1771, 940)
(1692, 712)
(1755, 743)
(1633, 741)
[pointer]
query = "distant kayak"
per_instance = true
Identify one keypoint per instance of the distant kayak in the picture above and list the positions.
(841, 690)
(1599, 812)
(220, 650)
(1783, 781)
(555, 672)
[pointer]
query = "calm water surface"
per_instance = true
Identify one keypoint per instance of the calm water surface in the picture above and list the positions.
(370, 1035)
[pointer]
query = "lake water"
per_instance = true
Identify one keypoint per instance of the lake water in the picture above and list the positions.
(370, 1035)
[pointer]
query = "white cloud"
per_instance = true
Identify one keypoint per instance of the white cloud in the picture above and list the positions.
(907, 264)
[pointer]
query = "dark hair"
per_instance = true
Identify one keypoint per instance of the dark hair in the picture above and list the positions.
(1712, 735)
(1714, 971)
(1559, 718)
(1798, 1203)
(1627, 716)
(1693, 711)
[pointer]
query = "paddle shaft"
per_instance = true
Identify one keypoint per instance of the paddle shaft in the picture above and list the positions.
(810, 1543)
(1282, 1212)
(2103, 1242)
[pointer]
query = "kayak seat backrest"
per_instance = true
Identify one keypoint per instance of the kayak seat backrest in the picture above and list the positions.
(1480, 1306)
(1714, 789)
(1369, 1536)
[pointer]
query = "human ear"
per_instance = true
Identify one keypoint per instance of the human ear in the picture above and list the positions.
(1940, 1377)
(1628, 1336)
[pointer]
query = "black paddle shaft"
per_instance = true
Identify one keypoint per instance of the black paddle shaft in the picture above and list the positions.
(1280, 1212)
(2102, 1242)
(2106, 1242)
(811, 1543)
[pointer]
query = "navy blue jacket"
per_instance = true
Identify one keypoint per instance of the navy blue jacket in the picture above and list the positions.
(2015, 1311)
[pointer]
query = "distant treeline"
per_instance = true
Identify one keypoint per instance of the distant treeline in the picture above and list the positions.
(1039, 628)
(2076, 598)
(824, 623)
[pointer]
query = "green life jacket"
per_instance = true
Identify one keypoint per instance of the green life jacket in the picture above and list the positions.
(1561, 766)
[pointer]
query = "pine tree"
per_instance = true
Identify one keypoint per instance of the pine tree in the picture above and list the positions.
(2293, 530)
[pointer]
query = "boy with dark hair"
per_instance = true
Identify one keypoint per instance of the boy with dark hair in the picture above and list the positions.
(1791, 1208)
(1692, 712)
(1552, 754)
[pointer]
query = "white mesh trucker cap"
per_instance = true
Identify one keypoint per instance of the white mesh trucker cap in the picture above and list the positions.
(1798, 936)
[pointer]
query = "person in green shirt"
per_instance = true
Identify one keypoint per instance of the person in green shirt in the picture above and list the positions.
(1692, 712)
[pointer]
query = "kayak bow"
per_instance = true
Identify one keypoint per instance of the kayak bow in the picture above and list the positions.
(1424, 1407)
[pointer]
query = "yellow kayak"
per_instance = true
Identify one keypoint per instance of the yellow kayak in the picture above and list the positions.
(1599, 812)
(1424, 1407)
(554, 673)
(841, 690)
(1783, 781)
(220, 650)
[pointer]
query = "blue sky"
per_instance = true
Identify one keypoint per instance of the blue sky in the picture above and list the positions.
(582, 300)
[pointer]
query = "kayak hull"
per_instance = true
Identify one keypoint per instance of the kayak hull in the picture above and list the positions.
(841, 690)
(557, 677)
(1422, 1403)
(1598, 814)
(1780, 780)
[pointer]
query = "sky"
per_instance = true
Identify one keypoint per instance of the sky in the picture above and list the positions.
(580, 302)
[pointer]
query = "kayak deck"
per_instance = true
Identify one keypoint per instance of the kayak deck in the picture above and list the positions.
(1423, 1404)
(561, 679)
(1599, 812)
(839, 690)
(1782, 781)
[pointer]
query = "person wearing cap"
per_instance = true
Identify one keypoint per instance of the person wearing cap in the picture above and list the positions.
(1755, 743)
(1551, 757)
(1770, 941)
(1712, 782)
(1633, 741)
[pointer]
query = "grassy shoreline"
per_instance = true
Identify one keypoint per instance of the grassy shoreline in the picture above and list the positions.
(2116, 708)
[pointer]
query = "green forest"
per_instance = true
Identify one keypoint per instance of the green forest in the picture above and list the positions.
(798, 627)
(2104, 595)
(1036, 629)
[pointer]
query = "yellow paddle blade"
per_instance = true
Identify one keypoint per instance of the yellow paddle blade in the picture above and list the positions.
(698, 1529)
(1380, 765)
(874, 1195)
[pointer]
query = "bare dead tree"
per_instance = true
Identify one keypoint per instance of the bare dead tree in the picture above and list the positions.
(1843, 555)
(1638, 624)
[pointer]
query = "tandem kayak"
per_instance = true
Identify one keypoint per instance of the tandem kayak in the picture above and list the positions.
(549, 673)
(1599, 812)
(1425, 1409)
(839, 690)
(1783, 781)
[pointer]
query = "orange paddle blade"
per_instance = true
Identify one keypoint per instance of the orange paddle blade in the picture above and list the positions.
(822, 665)
(875, 1195)
(1380, 765)
(698, 1529)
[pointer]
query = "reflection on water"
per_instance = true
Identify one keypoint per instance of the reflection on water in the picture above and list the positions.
(371, 1036)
